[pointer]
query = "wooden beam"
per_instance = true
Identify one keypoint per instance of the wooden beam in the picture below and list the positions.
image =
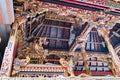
(56, 26)
(58, 39)
(94, 42)
(114, 34)
(84, 55)
(59, 18)
(54, 38)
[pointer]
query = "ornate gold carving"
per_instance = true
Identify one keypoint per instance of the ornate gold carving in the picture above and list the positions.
(69, 65)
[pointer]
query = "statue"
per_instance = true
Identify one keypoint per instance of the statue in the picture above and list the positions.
(39, 45)
(69, 65)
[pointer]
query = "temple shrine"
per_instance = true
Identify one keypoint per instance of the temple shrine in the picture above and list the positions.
(66, 38)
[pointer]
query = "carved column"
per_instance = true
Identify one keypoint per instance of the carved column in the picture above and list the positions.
(25, 5)
(9, 54)
(80, 42)
(112, 68)
(115, 58)
(66, 74)
(84, 55)
(10, 51)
